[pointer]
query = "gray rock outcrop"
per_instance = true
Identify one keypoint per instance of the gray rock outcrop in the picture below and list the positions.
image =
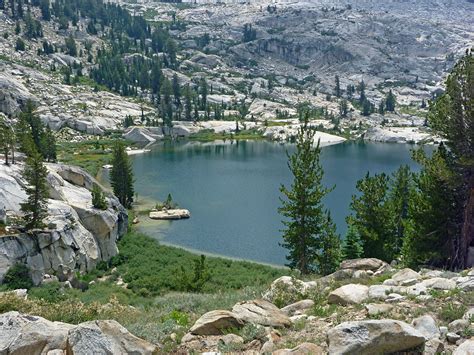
(215, 323)
(78, 235)
(261, 312)
(349, 294)
(26, 334)
(373, 337)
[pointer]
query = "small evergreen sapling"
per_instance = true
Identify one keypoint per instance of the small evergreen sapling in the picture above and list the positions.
(98, 198)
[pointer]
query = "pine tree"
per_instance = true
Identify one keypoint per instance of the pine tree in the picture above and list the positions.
(7, 141)
(382, 107)
(176, 90)
(366, 108)
(188, 104)
(35, 207)
(337, 89)
(343, 108)
(401, 186)
(361, 89)
(310, 234)
(390, 101)
(370, 213)
(71, 47)
(48, 145)
(432, 231)
(352, 246)
(121, 175)
(45, 11)
(442, 211)
(203, 91)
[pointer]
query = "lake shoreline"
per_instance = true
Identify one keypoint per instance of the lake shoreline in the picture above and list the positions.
(233, 194)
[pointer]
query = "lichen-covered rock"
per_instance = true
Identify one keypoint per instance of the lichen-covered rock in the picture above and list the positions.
(26, 334)
(372, 264)
(287, 290)
(406, 274)
(299, 306)
(373, 337)
(215, 323)
(466, 348)
(105, 337)
(261, 312)
(349, 294)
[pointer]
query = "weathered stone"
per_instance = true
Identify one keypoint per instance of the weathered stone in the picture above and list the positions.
(426, 325)
(389, 282)
(466, 348)
(374, 309)
(469, 315)
(373, 337)
(453, 337)
(25, 334)
(261, 312)
(406, 274)
(394, 298)
(439, 283)
(215, 323)
(349, 294)
(409, 282)
(372, 264)
(416, 290)
(288, 290)
(466, 283)
(458, 326)
(231, 339)
(79, 236)
(302, 349)
(105, 337)
(381, 292)
(433, 347)
(298, 306)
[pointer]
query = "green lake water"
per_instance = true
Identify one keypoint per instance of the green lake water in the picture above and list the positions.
(232, 191)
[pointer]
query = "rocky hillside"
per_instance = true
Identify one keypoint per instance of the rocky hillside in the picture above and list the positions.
(366, 307)
(78, 236)
(290, 56)
(349, 312)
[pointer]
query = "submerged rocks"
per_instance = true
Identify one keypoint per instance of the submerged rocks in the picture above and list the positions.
(215, 323)
(25, 334)
(373, 337)
(349, 294)
(261, 312)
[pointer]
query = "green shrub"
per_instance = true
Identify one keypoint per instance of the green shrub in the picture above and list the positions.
(98, 198)
(180, 318)
(18, 276)
(144, 263)
(50, 292)
(450, 312)
(196, 281)
(251, 331)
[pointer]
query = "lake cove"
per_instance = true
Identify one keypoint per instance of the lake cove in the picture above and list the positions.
(232, 190)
